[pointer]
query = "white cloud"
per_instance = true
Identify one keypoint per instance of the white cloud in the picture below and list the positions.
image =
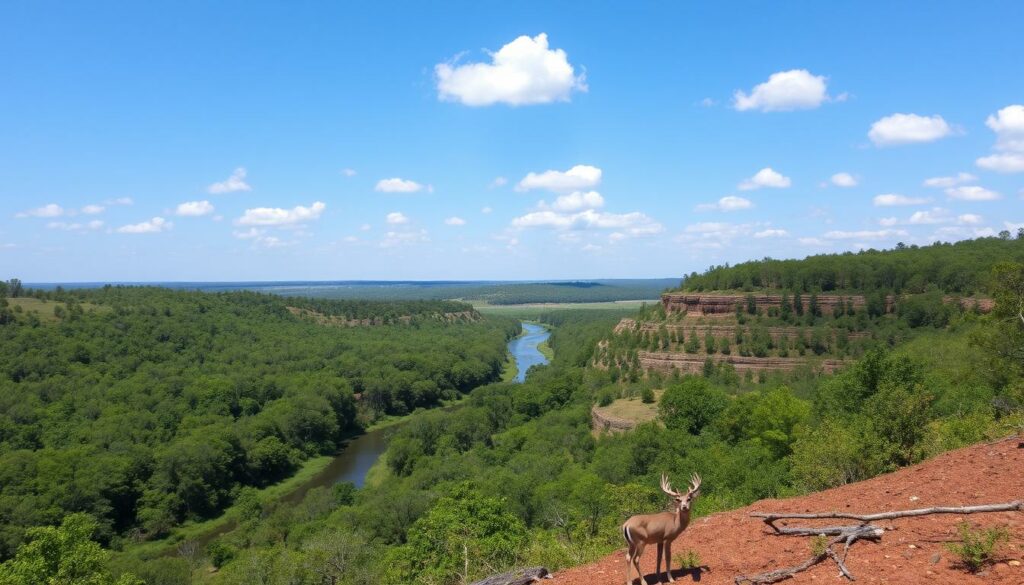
(972, 193)
(707, 102)
(365, 227)
(93, 209)
(888, 221)
(932, 216)
(236, 182)
(771, 233)
(893, 199)
(844, 180)
(194, 208)
(946, 182)
(577, 178)
(864, 234)
(155, 225)
(631, 224)
(396, 218)
(1007, 162)
(48, 210)
(486, 210)
(276, 216)
(796, 89)
(455, 220)
(908, 129)
(813, 242)
(523, 72)
(578, 200)
(727, 203)
(75, 227)
(766, 177)
(397, 185)
(349, 172)
(1008, 124)
(260, 239)
(969, 219)
(498, 182)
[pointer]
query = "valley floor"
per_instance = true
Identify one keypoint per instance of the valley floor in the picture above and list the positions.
(912, 551)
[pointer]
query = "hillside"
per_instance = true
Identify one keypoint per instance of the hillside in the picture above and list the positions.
(733, 543)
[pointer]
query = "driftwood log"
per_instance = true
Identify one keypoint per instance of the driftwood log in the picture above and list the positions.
(517, 577)
(849, 534)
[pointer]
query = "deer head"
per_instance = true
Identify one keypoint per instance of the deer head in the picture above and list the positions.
(682, 501)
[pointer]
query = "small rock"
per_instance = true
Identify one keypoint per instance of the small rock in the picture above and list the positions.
(1014, 563)
(912, 546)
(914, 498)
(936, 558)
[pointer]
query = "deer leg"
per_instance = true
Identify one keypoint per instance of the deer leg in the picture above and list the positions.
(636, 561)
(657, 564)
(668, 561)
(629, 564)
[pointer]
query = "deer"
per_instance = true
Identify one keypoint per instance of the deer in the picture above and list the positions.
(660, 529)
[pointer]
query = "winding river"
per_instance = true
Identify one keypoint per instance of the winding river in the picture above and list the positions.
(360, 453)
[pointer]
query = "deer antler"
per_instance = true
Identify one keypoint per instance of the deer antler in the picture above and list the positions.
(694, 483)
(667, 487)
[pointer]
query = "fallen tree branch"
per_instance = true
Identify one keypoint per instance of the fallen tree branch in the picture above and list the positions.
(1007, 507)
(849, 535)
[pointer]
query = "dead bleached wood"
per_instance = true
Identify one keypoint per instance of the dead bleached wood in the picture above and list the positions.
(1007, 507)
(516, 577)
(849, 534)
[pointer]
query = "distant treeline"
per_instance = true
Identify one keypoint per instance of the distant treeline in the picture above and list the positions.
(962, 267)
(387, 311)
(495, 294)
(146, 407)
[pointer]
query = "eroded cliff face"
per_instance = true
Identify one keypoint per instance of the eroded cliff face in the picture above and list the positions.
(686, 327)
(685, 363)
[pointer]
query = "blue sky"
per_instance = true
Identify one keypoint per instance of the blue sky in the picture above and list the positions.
(273, 141)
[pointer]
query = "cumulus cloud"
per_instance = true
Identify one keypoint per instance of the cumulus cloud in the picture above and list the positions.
(972, 193)
(727, 203)
(1007, 162)
(523, 72)
(455, 221)
(236, 182)
(864, 234)
(844, 180)
(1008, 124)
(900, 129)
(92, 209)
(396, 218)
(578, 200)
(628, 224)
(969, 219)
(946, 182)
(194, 208)
(893, 199)
(930, 216)
(796, 89)
(771, 233)
(577, 178)
(766, 177)
(276, 216)
(48, 210)
(153, 226)
(397, 185)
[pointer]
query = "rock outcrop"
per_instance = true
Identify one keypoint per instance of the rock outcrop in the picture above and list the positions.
(602, 421)
(714, 304)
(776, 333)
(686, 363)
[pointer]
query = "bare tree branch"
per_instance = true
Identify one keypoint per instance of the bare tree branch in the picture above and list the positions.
(1007, 507)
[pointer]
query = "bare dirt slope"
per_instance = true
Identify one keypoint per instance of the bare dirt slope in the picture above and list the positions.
(912, 552)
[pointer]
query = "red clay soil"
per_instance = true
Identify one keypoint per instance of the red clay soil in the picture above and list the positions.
(912, 550)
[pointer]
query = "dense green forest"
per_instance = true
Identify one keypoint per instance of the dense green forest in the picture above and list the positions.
(512, 475)
(146, 407)
(963, 267)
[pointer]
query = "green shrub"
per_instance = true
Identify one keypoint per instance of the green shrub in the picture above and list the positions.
(977, 548)
(687, 560)
(647, 395)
